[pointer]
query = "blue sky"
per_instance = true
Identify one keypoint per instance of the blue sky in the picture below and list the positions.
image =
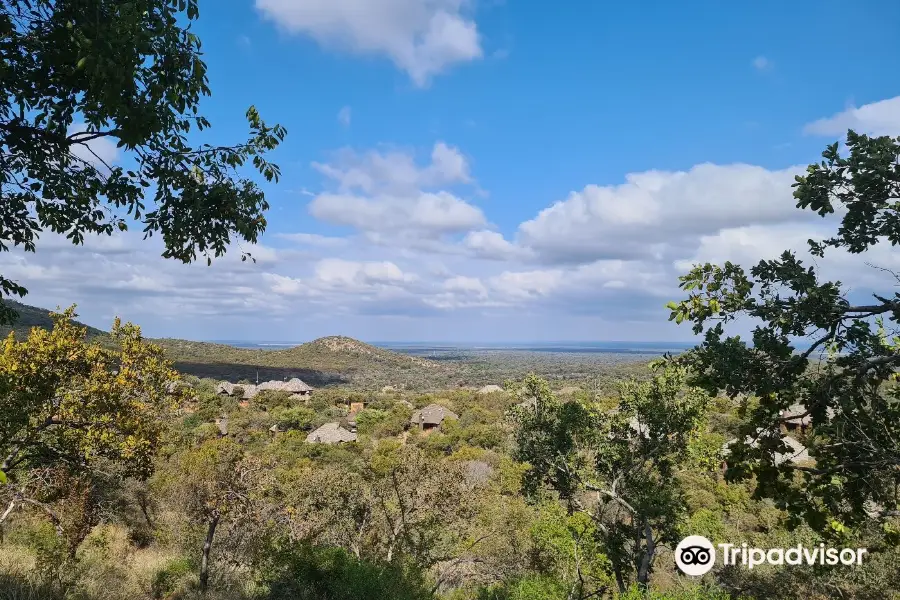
(481, 170)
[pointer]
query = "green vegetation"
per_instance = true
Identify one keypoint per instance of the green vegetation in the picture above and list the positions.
(122, 478)
(64, 90)
(28, 317)
(345, 362)
(527, 495)
(851, 396)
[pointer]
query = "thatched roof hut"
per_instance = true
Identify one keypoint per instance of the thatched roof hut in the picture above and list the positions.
(796, 453)
(330, 433)
(228, 388)
(796, 414)
(432, 416)
(293, 386)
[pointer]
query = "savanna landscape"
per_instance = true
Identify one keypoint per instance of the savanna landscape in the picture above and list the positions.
(144, 467)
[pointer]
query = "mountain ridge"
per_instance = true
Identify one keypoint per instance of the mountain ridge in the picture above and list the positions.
(326, 360)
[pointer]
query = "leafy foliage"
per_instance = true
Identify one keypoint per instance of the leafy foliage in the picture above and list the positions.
(845, 379)
(78, 73)
(66, 401)
(617, 467)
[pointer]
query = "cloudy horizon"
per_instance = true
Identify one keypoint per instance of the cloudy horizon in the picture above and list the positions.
(418, 205)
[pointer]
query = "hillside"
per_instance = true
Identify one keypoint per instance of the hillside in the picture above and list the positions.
(32, 316)
(323, 361)
(326, 360)
(346, 361)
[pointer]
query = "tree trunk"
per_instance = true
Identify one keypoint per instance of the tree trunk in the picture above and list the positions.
(143, 502)
(647, 558)
(620, 580)
(207, 546)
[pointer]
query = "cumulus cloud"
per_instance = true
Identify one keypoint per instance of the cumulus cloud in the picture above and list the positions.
(343, 273)
(748, 245)
(421, 37)
(390, 193)
(438, 213)
(314, 239)
(394, 171)
(876, 118)
(609, 253)
(493, 246)
(655, 210)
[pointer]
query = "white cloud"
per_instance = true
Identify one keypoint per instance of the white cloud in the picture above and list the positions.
(288, 286)
(609, 250)
(748, 245)
(438, 213)
(338, 272)
(99, 152)
(421, 37)
(876, 118)
(493, 246)
(389, 193)
(466, 285)
(314, 239)
(656, 210)
(395, 172)
(761, 63)
(344, 116)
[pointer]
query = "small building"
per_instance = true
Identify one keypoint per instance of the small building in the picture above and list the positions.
(247, 391)
(796, 452)
(294, 386)
(250, 391)
(330, 433)
(796, 419)
(431, 417)
(176, 385)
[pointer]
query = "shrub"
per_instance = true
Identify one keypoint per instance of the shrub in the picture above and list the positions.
(298, 572)
(171, 578)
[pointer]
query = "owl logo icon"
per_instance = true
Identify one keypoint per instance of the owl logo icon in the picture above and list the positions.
(695, 555)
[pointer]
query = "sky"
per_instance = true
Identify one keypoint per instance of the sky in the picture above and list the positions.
(490, 170)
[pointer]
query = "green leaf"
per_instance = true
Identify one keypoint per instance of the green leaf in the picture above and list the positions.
(3, 479)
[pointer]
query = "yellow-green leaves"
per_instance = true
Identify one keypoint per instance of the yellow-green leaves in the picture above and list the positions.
(66, 400)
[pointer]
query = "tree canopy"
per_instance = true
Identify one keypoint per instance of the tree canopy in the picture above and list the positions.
(814, 347)
(78, 73)
(68, 406)
(618, 467)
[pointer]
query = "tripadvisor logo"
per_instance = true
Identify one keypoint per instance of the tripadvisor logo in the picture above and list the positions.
(696, 555)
